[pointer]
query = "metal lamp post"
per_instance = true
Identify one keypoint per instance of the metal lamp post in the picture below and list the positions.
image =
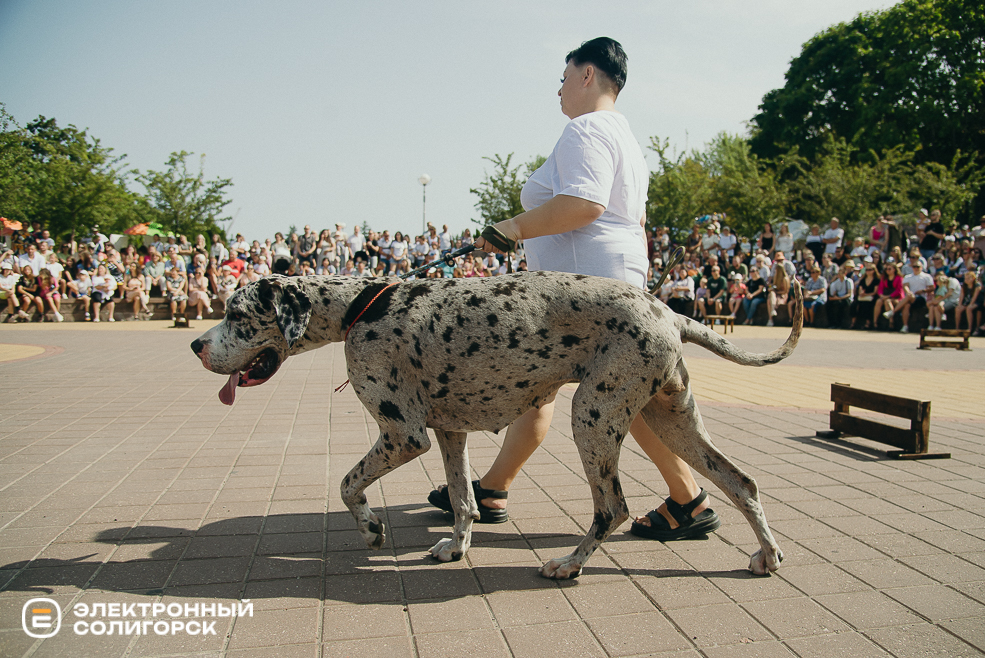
(424, 180)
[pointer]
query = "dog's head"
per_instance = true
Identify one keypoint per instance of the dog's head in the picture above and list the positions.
(263, 325)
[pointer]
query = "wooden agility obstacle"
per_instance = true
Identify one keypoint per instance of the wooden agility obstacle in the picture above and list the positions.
(913, 443)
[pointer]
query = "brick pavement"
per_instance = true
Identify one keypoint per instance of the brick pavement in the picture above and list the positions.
(124, 480)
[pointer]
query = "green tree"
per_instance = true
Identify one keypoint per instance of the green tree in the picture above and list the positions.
(76, 181)
(187, 203)
(913, 74)
(499, 193)
(679, 189)
(17, 169)
(747, 189)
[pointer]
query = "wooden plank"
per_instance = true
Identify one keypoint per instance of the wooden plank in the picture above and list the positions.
(904, 439)
(886, 404)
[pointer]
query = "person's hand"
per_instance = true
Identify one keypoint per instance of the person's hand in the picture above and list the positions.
(508, 227)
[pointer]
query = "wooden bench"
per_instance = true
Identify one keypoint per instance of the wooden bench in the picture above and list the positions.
(960, 344)
(914, 442)
(728, 322)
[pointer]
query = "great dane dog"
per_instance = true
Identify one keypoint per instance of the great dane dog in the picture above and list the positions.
(465, 355)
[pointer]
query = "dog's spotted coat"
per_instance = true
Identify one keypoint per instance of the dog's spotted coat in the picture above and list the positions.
(463, 355)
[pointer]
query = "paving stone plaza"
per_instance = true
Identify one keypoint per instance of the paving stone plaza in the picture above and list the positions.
(126, 486)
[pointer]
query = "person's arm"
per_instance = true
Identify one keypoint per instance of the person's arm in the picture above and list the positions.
(561, 214)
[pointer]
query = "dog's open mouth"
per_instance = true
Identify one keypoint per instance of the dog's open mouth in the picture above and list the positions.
(259, 370)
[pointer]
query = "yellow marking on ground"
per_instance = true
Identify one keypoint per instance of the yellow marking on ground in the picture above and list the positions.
(11, 352)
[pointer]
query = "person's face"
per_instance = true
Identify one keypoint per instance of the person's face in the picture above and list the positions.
(834, 223)
(715, 272)
(815, 274)
(31, 250)
(572, 91)
(307, 230)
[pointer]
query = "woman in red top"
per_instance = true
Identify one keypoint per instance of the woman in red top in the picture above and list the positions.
(889, 293)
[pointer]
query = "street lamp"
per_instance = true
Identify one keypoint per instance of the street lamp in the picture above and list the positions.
(424, 180)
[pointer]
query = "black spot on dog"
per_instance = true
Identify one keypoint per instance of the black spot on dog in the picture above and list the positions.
(448, 334)
(710, 463)
(390, 410)
(371, 335)
(473, 348)
(418, 291)
(374, 312)
(569, 340)
(543, 333)
(602, 387)
(594, 413)
(602, 522)
(460, 320)
(524, 384)
(514, 343)
(441, 393)
(443, 378)
(492, 319)
(474, 301)
(397, 331)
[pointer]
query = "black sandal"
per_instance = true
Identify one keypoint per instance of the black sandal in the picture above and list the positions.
(440, 499)
(688, 527)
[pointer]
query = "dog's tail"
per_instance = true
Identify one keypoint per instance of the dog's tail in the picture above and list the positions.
(694, 332)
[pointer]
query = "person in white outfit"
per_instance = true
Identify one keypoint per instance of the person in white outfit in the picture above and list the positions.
(585, 213)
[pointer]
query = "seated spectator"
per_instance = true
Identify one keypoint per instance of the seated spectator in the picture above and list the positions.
(306, 269)
(103, 287)
(737, 267)
(363, 271)
(238, 266)
(198, 292)
(48, 291)
(57, 270)
(681, 290)
(906, 269)
(134, 290)
(177, 291)
(859, 250)
(325, 267)
(829, 269)
(27, 292)
(865, 296)
(81, 288)
(918, 290)
(248, 276)
(8, 290)
(815, 294)
(260, 266)
(115, 267)
(840, 293)
(889, 294)
(717, 288)
(226, 284)
(755, 294)
(947, 296)
(154, 273)
(971, 300)
(736, 294)
(779, 291)
(700, 292)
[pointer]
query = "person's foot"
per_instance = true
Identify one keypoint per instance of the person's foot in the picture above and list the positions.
(887, 314)
(198, 317)
(770, 323)
(904, 330)
(664, 512)
(112, 319)
(95, 319)
(59, 317)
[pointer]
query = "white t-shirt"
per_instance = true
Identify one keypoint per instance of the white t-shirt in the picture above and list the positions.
(444, 241)
(56, 269)
(36, 263)
(597, 159)
(357, 242)
(784, 243)
(727, 244)
(922, 284)
(398, 249)
(829, 247)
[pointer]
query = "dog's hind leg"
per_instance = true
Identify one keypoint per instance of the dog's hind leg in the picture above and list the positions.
(599, 437)
(674, 417)
(397, 445)
(456, 458)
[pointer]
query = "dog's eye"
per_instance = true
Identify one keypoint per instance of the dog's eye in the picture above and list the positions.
(234, 316)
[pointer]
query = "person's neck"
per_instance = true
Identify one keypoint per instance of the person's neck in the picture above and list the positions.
(601, 103)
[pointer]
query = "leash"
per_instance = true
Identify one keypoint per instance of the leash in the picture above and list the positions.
(675, 260)
(492, 235)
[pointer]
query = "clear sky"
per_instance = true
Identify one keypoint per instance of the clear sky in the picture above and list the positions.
(326, 111)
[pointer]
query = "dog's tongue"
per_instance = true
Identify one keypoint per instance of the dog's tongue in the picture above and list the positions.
(228, 392)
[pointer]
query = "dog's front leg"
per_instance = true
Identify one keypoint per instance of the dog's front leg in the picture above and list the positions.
(396, 446)
(456, 459)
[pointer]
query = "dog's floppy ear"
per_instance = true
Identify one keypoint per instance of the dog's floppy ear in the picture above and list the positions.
(290, 304)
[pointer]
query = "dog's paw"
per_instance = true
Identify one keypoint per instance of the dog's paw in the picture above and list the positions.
(562, 569)
(373, 532)
(762, 564)
(446, 551)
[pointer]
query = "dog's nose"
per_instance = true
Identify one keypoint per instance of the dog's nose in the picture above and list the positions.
(198, 346)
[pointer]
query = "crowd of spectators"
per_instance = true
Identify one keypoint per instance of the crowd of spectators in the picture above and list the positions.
(866, 284)
(857, 284)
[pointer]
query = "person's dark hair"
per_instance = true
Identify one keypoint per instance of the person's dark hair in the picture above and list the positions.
(606, 55)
